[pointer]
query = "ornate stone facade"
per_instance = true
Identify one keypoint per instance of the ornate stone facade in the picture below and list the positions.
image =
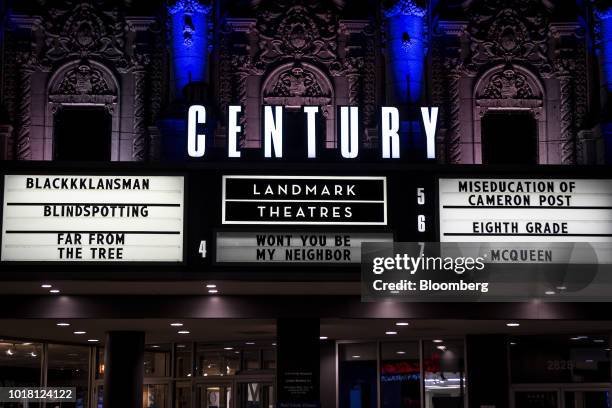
(469, 58)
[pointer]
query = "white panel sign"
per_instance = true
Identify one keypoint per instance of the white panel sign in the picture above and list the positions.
(294, 247)
(72, 218)
(525, 210)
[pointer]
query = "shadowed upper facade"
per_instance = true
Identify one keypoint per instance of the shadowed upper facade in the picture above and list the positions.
(516, 81)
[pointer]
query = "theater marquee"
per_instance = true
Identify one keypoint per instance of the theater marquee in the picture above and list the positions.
(77, 218)
(525, 210)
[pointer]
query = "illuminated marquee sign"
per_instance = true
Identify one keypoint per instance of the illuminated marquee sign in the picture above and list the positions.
(304, 200)
(525, 210)
(348, 135)
(294, 247)
(72, 218)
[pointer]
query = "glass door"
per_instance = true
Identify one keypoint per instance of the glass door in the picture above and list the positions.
(214, 396)
(155, 396)
(255, 395)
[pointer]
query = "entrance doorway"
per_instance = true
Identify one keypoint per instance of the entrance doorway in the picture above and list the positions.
(254, 394)
(82, 134)
(509, 137)
(211, 395)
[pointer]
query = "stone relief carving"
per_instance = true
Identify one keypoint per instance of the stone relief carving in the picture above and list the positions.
(83, 79)
(501, 31)
(507, 84)
(296, 29)
(297, 86)
(83, 83)
(188, 7)
(83, 30)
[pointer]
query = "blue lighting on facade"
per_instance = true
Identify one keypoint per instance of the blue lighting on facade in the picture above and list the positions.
(605, 28)
(189, 36)
(406, 47)
(605, 35)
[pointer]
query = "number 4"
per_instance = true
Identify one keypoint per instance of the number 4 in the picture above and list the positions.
(202, 249)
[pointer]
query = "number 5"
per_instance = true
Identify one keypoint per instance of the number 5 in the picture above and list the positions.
(420, 195)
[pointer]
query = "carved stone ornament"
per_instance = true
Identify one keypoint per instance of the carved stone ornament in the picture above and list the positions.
(297, 29)
(297, 86)
(509, 30)
(83, 83)
(508, 84)
(80, 31)
(188, 8)
(406, 7)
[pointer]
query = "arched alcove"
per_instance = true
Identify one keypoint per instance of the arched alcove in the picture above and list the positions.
(85, 90)
(507, 101)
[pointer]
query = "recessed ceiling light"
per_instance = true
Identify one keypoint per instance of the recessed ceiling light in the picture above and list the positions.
(46, 286)
(93, 340)
(512, 343)
(442, 348)
(80, 332)
(213, 291)
(400, 352)
(513, 324)
(322, 337)
(211, 286)
(62, 324)
(274, 344)
(228, 348)
(599, 341)
(180, 346)
(390, 332)
(177, 324)
(183, 332)
(438, 341)
(54, 291)
(155, 346)
(26, 344)
(549, 292)
(250, 343)
(356, 356)
(402, 324)
(33, 354)
(561, 287)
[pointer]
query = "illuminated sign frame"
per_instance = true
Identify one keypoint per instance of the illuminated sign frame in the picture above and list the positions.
(226, 221)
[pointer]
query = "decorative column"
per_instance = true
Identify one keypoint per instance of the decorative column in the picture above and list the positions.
(189, 40)
(139, 150)
(406, 48)
(22, 145)
(5, 136)
(453, 141)
(568, 140)
(123, 369)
